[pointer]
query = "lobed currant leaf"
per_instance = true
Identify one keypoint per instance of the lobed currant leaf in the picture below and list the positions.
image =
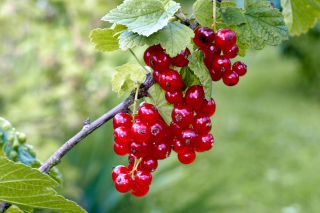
(199, 69)
(202, 10)
(188, 77)
(143, 17)
(300, 15)
(127, 78)
(157, 98)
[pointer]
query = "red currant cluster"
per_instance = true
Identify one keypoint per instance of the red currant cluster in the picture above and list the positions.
(146, 138)
(219, 65)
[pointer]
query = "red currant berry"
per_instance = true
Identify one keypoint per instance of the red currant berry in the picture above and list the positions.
(187, 156)
(139, 191)
(148, 113)
(170, 80)
(181, 60)
(158, 130)
(122, 119)
(195, 96)
(182, 115)
(136, 148)
(160, 61)
(175, 128)
(202, 124)
(204, 143)
(161, 150)
(240, 68)
(189, 137)
(149, 164)
(208, 109)
(140, 132)
(179, 146)
(208, 61)
(203, 36)
(221, 64)
(156, 75)
(230, 78)
(150, 52)
(123, 183)
(120, 149)
(211, 51)
(131, 157)
(231, 52)
(175, 97)
(225, 38)
(143, 178)
(119, 170)
(122, 135)
(216, 75)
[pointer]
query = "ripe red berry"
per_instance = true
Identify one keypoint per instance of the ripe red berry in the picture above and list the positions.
(175, 97)
(143, 178)
(158, 129)
(211, 51)
(187, 157)
(139, 191)
(208, 61)
(121, 149)
(203, 36)
(230, 78)
(122, 135)
(170, 80)
(123, 183)
(231, 52)
(140, 131)
(188, 137)
(122, 119)
(181, 60)
(148, 113)
(221, 64)
(160, 60)
(161, 150)
(240, 68)
(149, 164)
(225, 38)
(175, 128)
(216, 75)
(182, 115)
(202, 124)
(150, 51)
(195, 96)
(204, 143)
(119, 170)
(179, 146)
(208, 109)
(156, 75)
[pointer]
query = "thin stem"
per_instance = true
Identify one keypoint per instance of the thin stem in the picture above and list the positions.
(137, 59)
(135, 103)
(214, 13)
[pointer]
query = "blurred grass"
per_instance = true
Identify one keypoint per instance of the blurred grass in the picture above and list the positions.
(266, 154)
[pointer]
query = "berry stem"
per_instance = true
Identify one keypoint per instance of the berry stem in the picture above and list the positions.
(214, 13)
(134, 112)
(141, 64)
(135, 166)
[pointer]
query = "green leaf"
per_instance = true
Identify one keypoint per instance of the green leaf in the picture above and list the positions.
(157, 98)
(129, 40)
(127, 78)
(23, 185)
(200, 70)
(257, 25)
(202, 10)
(106, 39)
(188, 77)
(143, 17)
(13, 209)
(300, 15)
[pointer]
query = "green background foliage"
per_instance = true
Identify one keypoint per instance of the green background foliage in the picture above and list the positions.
(267, 129)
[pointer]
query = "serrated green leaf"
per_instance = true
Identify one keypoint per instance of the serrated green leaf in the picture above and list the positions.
(23, 185)
(300, 15)
(200, 70)
(127, 78)
(264, 25)
(143, 17)
(13, 209)
(232, 15)
(129, 40)
(202, 10)
(106, 39)
(157, 98)
(188, 77)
